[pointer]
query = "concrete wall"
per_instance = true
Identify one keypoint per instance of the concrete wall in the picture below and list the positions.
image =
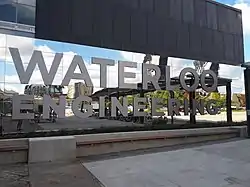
(67, 148)
(13, 151)
(51, 149)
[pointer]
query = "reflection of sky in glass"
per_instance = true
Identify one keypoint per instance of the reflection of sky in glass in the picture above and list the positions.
(18, 11)
(49, 48)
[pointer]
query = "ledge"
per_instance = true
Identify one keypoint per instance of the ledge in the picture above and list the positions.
(152, 135)
(14, 151)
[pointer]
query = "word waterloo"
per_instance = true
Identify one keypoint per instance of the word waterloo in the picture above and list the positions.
(21, 102)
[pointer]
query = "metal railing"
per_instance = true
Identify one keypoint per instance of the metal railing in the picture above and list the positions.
(17, 27)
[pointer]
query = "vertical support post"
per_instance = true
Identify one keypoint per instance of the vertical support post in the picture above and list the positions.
(1, 124)
(109, 106)
(229, 102)
(192, 113)
(118, 97)
(141, 118)
(163, 62)
(247, 95)
(172, 97)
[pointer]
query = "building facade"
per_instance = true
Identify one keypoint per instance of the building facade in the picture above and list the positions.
(17, 17)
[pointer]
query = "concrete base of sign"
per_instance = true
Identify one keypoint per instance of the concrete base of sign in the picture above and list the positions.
(52, 149)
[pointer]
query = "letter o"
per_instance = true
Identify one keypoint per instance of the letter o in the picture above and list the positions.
(182, 79)
(203, 83)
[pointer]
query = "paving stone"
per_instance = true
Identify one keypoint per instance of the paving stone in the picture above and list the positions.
(224, 165)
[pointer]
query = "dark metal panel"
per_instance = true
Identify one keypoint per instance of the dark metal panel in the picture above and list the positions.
(175, 9)
(162, 8)
(170, 36)
(138, 29)
(206, 42)
(82, 17)
(129, 3)
(146, 5)
(231, 21)
(238, 23)
(183, 39)
(200, 13)
(188, 11)
(218, 46)
(241, 49)
(236, 47)
(42, 18)
(62, 19)
(103, 23)
(222, 14)
(229, 47)
(211, 15)
(155, 33)
(195, 40)
(121, 25)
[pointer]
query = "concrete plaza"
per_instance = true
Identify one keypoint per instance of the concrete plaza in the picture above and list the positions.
(224, 165)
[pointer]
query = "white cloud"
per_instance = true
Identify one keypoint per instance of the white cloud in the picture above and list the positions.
(244, 5)
(26, 47)
(177, 64)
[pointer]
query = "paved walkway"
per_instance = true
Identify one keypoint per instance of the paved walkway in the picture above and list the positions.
(218, 165)
(47, 175)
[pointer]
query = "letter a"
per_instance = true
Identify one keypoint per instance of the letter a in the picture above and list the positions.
(84, 75)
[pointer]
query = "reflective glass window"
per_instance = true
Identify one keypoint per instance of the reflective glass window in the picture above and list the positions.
(7, 11)
(25, 14)
(27, 2)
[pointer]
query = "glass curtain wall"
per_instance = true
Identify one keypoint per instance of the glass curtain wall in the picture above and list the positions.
(10, 86)
(18, 11)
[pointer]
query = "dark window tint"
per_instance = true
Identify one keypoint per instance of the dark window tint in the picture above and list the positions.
(7, 11)
(25, 14)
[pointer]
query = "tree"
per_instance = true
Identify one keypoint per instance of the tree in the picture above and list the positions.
(199, 66)
(215, 68)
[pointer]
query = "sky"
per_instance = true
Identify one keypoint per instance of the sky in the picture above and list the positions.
(9, 79)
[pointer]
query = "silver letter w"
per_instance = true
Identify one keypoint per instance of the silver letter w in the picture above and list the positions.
(36, 59)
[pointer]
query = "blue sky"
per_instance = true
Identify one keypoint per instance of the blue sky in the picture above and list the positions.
(27, 45)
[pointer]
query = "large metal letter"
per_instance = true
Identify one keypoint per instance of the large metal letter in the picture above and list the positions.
(174, 107)
(182, 79)
(84, 75)
(103, 69)
(36, 59)
(59, 109)
(203, 81)
(101, 107)
(77, 102)
(198, 105)
(122, 74)
(156, 104)
(211, 108)
(170, 87)
(116, 104)
(138, 106)
(22, 102)
(146, 77)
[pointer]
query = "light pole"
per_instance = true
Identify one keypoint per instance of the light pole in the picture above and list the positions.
(1, 124)
(247, 93)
